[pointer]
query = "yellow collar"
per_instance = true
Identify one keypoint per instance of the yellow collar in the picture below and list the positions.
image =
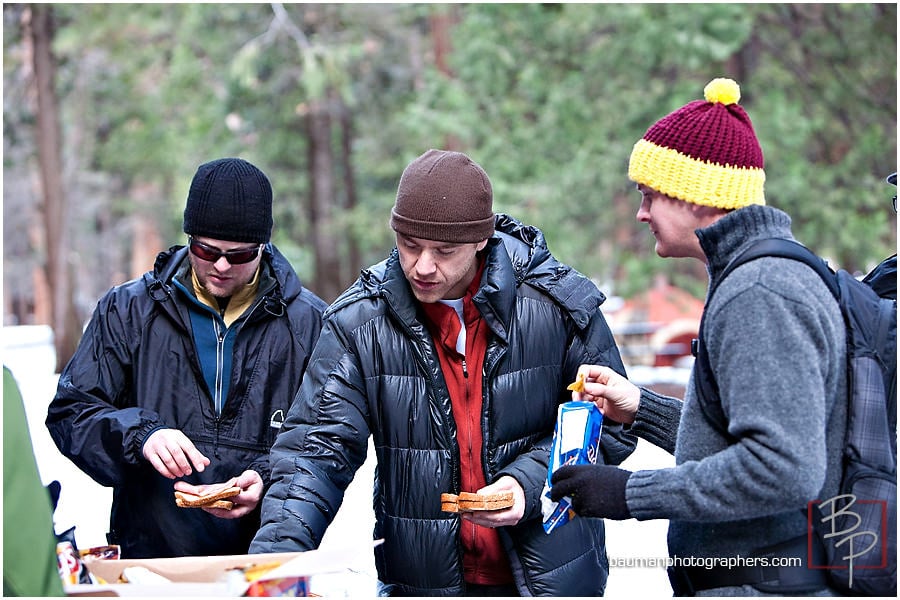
(237, 304)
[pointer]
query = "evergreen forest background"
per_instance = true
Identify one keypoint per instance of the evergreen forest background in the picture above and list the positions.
(108, 109)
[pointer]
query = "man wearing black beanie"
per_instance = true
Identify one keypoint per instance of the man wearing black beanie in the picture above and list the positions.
(183, 377)
(453, 354)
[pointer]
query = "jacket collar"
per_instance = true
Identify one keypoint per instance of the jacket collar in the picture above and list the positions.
(277, 279)
(534, 265)
(237, 304)
(516, 254)
(727, 237)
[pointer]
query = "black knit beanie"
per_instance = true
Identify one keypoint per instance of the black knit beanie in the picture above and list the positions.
(229, 200)
(444, 197)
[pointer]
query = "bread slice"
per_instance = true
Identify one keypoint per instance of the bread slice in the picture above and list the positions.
(467, 501)
(186, 500)
(226, 504)
(449, 503)
(500, 501)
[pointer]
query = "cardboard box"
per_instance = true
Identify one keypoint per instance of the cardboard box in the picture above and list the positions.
(208, 575)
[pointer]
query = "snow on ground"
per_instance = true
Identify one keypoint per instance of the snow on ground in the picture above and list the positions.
(28, 352)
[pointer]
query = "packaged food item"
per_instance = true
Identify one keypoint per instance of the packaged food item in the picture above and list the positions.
(261, 586)
(576, 441)
(68, 560)
(293, 587)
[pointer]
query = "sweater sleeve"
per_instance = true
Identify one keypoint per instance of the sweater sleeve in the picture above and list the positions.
(657, 419)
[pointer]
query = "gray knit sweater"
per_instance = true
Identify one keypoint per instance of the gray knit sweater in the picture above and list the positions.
(776, 344)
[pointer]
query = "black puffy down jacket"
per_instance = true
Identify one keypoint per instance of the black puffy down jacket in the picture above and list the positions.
(136, 370)
(375, 372)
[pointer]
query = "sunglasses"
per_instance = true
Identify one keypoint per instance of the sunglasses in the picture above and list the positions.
(211, 254)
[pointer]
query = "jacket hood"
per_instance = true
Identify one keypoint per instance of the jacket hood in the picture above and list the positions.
(535, 265)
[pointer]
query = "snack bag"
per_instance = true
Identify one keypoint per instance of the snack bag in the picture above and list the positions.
(576, 441)
(294, 587)
(262, 586)
(68, 560)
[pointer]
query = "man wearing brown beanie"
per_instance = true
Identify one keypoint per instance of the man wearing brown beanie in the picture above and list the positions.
(453, 354)
(184, 375)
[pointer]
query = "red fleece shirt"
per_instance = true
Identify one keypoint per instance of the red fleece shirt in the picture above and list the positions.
(484, 560)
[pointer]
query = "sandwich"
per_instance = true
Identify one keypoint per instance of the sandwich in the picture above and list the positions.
(466, 501)
(214, 499)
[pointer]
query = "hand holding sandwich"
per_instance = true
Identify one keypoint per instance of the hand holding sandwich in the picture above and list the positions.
(500, 518)
(249, 483)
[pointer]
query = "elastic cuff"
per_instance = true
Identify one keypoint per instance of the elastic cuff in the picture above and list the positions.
(657, 419)
(144, 436)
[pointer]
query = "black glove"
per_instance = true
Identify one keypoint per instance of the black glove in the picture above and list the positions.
(596, 490)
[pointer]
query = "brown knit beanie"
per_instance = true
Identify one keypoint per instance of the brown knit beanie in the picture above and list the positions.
(444, 197)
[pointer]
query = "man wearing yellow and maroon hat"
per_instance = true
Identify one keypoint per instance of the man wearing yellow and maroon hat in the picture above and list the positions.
(775, 340)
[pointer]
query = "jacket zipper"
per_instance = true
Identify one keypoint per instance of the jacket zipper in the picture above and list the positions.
(468, 399)
(218, 400)
(220, 350)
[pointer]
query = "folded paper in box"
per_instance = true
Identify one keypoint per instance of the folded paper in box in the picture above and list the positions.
(576, 441)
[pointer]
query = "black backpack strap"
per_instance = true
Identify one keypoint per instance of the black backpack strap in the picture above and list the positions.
(708, 389)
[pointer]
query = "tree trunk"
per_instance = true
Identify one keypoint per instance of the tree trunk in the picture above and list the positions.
(146, 241)
(442, 21)
(327, 281)
(354, 256)
(49, 143)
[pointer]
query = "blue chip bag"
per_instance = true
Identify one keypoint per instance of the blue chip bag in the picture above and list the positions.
(576, 441)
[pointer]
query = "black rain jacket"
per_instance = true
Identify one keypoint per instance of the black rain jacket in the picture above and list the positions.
(375, 372)
(136, 370)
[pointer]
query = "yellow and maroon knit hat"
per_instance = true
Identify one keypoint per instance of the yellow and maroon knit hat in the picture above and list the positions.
(706, 152)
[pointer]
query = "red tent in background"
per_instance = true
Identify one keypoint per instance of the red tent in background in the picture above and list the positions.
(656, 327)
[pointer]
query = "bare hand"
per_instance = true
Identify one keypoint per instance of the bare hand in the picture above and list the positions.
(616, 397)
(500, 518)
(171, 453)
(251, 485)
